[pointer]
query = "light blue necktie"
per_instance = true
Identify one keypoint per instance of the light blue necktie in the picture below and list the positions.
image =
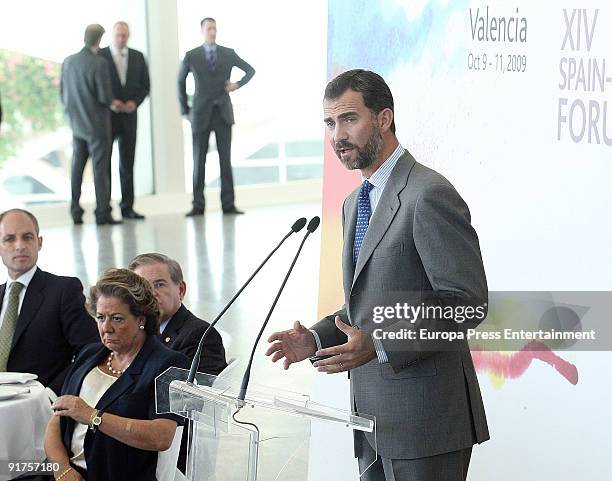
(364, 211)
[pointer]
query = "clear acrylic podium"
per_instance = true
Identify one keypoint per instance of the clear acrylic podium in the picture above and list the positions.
(264, 438)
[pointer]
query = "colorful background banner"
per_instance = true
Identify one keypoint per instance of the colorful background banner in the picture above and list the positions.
(509, 101)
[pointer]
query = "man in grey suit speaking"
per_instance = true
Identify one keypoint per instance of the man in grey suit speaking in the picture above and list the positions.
(87, 95)
(407, 234)
(211, 66)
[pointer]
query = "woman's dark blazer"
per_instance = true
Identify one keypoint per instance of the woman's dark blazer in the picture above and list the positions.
(132, 396)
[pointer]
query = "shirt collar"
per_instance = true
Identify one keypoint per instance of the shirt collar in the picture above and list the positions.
(26, 277)
(379, 178)
(210, 48)
(115, 51)
(163, 325)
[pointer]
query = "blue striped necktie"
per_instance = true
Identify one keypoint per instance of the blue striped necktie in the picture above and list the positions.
(212, 59)
(364, 211)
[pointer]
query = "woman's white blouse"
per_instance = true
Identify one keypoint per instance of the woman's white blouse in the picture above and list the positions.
(95, 384)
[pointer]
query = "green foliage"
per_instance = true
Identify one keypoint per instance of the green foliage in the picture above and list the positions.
(29, 89)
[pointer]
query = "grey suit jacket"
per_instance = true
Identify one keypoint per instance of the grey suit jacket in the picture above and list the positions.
(210, 85)
(419, 244)
(86, 93)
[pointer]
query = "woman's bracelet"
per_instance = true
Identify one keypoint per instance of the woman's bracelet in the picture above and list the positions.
(64, 473)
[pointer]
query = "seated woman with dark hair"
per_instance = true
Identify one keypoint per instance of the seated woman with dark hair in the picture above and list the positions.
(105, 426)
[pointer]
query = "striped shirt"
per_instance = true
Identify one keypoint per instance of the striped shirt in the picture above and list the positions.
(379, 180)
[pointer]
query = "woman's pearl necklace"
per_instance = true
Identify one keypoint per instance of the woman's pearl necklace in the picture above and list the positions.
(109, 365)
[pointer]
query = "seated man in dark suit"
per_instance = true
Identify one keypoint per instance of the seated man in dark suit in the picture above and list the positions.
(179, 329)
(43, 320)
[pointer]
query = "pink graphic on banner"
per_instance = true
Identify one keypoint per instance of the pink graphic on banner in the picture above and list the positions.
(513, 366)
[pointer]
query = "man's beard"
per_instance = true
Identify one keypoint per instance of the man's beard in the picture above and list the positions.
(366, 155)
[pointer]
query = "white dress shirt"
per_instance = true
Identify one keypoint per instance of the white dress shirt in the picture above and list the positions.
(25, 279)
(120, 57)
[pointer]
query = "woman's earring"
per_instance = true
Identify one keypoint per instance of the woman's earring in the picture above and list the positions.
(141, 327)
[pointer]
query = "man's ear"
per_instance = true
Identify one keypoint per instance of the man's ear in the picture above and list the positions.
(385, 119)
(40, 241)
(182, 290)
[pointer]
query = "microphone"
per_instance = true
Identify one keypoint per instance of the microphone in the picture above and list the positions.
(297, 226)
(312, 226)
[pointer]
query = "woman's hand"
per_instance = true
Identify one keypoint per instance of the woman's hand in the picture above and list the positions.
(73, 407)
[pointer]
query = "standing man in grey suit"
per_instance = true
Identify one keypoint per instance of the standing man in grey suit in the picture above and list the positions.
(87, 96)
(406, 231)
(211, 66)
(130, 79)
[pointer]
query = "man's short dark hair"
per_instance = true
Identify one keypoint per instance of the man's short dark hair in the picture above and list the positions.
(174, 268)
(93, 34)
(24, 212)
(207, 19)
(375, 91)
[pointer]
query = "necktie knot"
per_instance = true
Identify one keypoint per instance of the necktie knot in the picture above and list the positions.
(366, 187)
(16, 288)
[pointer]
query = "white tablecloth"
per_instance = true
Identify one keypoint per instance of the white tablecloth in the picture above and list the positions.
(23, 421)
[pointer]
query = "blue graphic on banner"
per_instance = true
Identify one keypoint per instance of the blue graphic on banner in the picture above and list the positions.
(385, 38)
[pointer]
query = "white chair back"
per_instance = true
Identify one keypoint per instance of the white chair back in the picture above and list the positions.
(166, 460)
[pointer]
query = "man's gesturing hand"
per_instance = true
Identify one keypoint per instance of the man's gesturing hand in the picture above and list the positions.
(294, 345)
(358, 351)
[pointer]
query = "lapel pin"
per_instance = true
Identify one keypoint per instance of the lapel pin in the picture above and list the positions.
(167, 339)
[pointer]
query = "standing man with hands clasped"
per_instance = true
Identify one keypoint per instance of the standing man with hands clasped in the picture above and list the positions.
(211, 110)
(406, 230)
(130, 79)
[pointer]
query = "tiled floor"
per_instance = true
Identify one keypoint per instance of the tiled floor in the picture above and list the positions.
(217, 254)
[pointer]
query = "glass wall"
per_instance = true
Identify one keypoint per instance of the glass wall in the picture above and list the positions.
(35, 140)
(278, 136)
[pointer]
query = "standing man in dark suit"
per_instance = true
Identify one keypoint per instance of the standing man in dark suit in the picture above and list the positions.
(211, 66)
(408, 238)
(130, 79)
(43, 319)
(87, 96)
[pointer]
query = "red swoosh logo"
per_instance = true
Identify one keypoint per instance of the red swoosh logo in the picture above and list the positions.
(514, 365)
